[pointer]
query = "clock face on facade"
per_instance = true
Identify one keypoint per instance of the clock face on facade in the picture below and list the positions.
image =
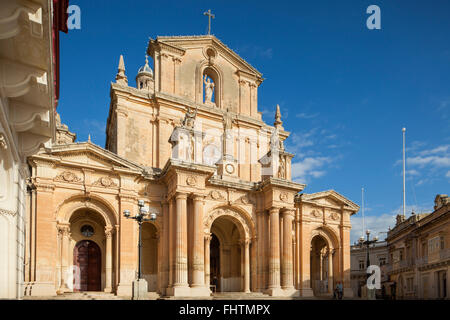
(229, 168)
(211, 154)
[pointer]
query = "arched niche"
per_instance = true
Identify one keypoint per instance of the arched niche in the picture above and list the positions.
(216, 76)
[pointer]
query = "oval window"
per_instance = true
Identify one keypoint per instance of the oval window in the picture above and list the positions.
(87, 230)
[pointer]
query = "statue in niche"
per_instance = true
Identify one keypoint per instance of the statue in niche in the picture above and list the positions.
(209, 89)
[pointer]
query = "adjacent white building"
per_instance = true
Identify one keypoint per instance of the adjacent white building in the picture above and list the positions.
(29, 70)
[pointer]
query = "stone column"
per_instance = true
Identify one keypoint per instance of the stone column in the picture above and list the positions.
(246, 255)
(181, 242)
(59, 256)
(253, 264)
(198, 257)
(108, 259)
(165, 248)
(180, 285)
(274, 254)
(171, 230)
(286, 272)
(304, 260)
(65, 229)
(330, 271)
(207, 242)
(260, 270)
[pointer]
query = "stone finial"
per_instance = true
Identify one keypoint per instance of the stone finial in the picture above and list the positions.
(63, 135)
(278, 123)
(121, 78)
(441, 200)
(89, 137)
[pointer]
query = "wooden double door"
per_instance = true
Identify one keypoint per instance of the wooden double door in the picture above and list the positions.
(87, 269)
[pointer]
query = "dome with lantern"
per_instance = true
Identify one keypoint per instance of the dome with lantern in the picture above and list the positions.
(144, 77)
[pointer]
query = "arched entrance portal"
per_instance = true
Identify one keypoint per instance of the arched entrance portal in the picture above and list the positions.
(150, 256)
(226, 263)
(321, 262)
(87, 263)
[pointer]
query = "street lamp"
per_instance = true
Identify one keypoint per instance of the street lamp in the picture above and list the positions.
(140, 287)
(368, 242)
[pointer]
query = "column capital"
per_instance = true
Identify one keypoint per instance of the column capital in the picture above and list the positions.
(181, 195)
(63, 229)
(198, 197)
(274, 210)
(245, 242)
(288, 212)
(109, 231)
(208, 236)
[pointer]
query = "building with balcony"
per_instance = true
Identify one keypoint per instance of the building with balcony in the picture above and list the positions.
(419, 254)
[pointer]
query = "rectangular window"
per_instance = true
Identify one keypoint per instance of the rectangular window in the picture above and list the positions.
(442, 243)
(382, 261)
(361, 264)
(434, 244)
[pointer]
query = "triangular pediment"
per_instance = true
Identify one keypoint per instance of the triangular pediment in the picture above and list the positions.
(183, 43)
(88, 155)
(331, 198)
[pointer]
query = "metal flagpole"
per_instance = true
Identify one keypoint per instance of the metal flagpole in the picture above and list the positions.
(404, 180)
(362, 196)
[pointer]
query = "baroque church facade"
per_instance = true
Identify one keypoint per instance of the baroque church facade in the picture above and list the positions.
(190, 142)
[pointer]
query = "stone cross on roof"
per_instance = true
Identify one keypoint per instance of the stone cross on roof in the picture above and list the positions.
(210, 15)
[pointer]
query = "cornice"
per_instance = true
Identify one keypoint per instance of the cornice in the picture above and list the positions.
(280, 183)
(205, 40)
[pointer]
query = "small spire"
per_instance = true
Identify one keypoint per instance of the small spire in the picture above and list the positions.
(146, 60)
(89, 137)
(121, 78)
(278, 123)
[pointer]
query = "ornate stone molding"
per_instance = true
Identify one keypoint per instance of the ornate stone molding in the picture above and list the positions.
(191, 181)
(208, 220)
(215, 195)
(5, 212)
(245, 199)
(284, 196)
(334, 216)
(3, 144)
(315, 213)
(67, 176)
(105, 182)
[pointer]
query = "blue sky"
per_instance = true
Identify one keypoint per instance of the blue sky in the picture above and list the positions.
(345, 91)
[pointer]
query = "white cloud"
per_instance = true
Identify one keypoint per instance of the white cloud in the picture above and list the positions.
(94, 126)
(426, 164)
(309, 167)
(377, 225)
(435, 161)
(448, 174)
(306, 116)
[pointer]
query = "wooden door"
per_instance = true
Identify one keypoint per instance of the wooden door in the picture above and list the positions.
(87, 262)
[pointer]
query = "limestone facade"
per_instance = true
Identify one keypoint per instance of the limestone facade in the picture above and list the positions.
(229, 216)
(419, 249)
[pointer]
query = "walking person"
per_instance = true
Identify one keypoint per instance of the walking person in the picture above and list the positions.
(339, 290)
